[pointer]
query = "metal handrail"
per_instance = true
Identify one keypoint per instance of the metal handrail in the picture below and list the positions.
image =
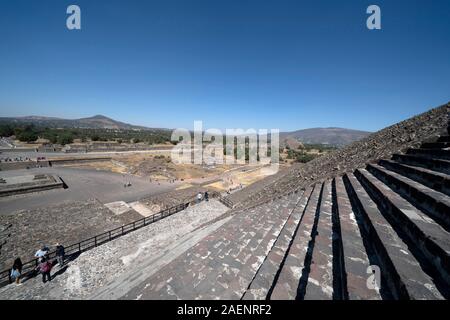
(89, 243)
(227, 202)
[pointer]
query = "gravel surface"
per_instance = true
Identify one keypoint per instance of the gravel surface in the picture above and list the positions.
(67, 223)
(99, 266)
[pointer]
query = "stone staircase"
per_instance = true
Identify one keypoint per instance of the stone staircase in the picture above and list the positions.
(410, 133)
(393, 214)
(389, 221)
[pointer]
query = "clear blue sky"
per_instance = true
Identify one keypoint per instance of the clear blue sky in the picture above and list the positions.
(231, 63)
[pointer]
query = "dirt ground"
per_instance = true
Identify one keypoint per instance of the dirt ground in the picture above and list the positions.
(240, 178)
(160, 168)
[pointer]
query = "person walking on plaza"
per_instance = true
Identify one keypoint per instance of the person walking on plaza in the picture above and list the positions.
(16, 270)
(45, 267)
(206, 196)
(199, 197)
(60, 252)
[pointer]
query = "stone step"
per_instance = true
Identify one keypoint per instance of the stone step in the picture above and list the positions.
(270, 238)
(355, 259)
(436, 145)
(401, 274)
(288, 280)
(432, 179)
(265, 277)
(428, 241)
(434, 203)
(431, 164)
(430, 153)
(200, 272)
(252, 234)
(444, 139)
(320, 277)
(224, 264)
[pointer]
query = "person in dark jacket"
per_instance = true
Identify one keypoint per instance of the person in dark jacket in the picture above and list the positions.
(206, 196)
(16, 270)
(60, 253)
(45, 267)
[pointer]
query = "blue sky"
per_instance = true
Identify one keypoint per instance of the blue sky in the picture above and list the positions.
(261, 64)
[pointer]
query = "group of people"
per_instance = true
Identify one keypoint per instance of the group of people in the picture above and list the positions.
(45, 264)
(231, 190)
(16, 159)
(201, 196)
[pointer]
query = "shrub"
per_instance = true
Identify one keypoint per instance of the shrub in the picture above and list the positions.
(6, 130)
(27, 136)
(65, 138)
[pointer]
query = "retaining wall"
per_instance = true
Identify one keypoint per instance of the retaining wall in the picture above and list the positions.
(22, 165)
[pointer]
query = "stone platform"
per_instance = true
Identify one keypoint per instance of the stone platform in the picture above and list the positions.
(28, 183)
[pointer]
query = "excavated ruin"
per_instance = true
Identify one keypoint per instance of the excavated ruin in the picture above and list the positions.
(369, 221)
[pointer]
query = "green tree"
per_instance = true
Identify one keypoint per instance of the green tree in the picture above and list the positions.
(65, 138)
(6, 130)
(27, 136)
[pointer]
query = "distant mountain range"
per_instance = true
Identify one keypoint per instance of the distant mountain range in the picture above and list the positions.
(95, 122)
(331, 136)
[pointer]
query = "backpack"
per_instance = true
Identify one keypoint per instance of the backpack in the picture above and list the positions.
(15, 274)
(46, 267)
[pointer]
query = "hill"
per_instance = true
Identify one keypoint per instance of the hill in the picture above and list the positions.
(95, 122)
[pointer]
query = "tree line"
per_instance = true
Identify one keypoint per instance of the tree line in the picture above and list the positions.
(30, 133)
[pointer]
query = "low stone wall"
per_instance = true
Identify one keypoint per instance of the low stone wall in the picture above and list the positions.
(17, 149)
(22, 165)
(123, 148)
(48, 163)
(51, 182)
(62, 161)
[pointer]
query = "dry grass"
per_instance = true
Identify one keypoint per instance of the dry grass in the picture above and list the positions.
(159, 167)
(235, 179)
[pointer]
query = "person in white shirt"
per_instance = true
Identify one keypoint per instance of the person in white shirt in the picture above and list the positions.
(41, 253)
(199, 197)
